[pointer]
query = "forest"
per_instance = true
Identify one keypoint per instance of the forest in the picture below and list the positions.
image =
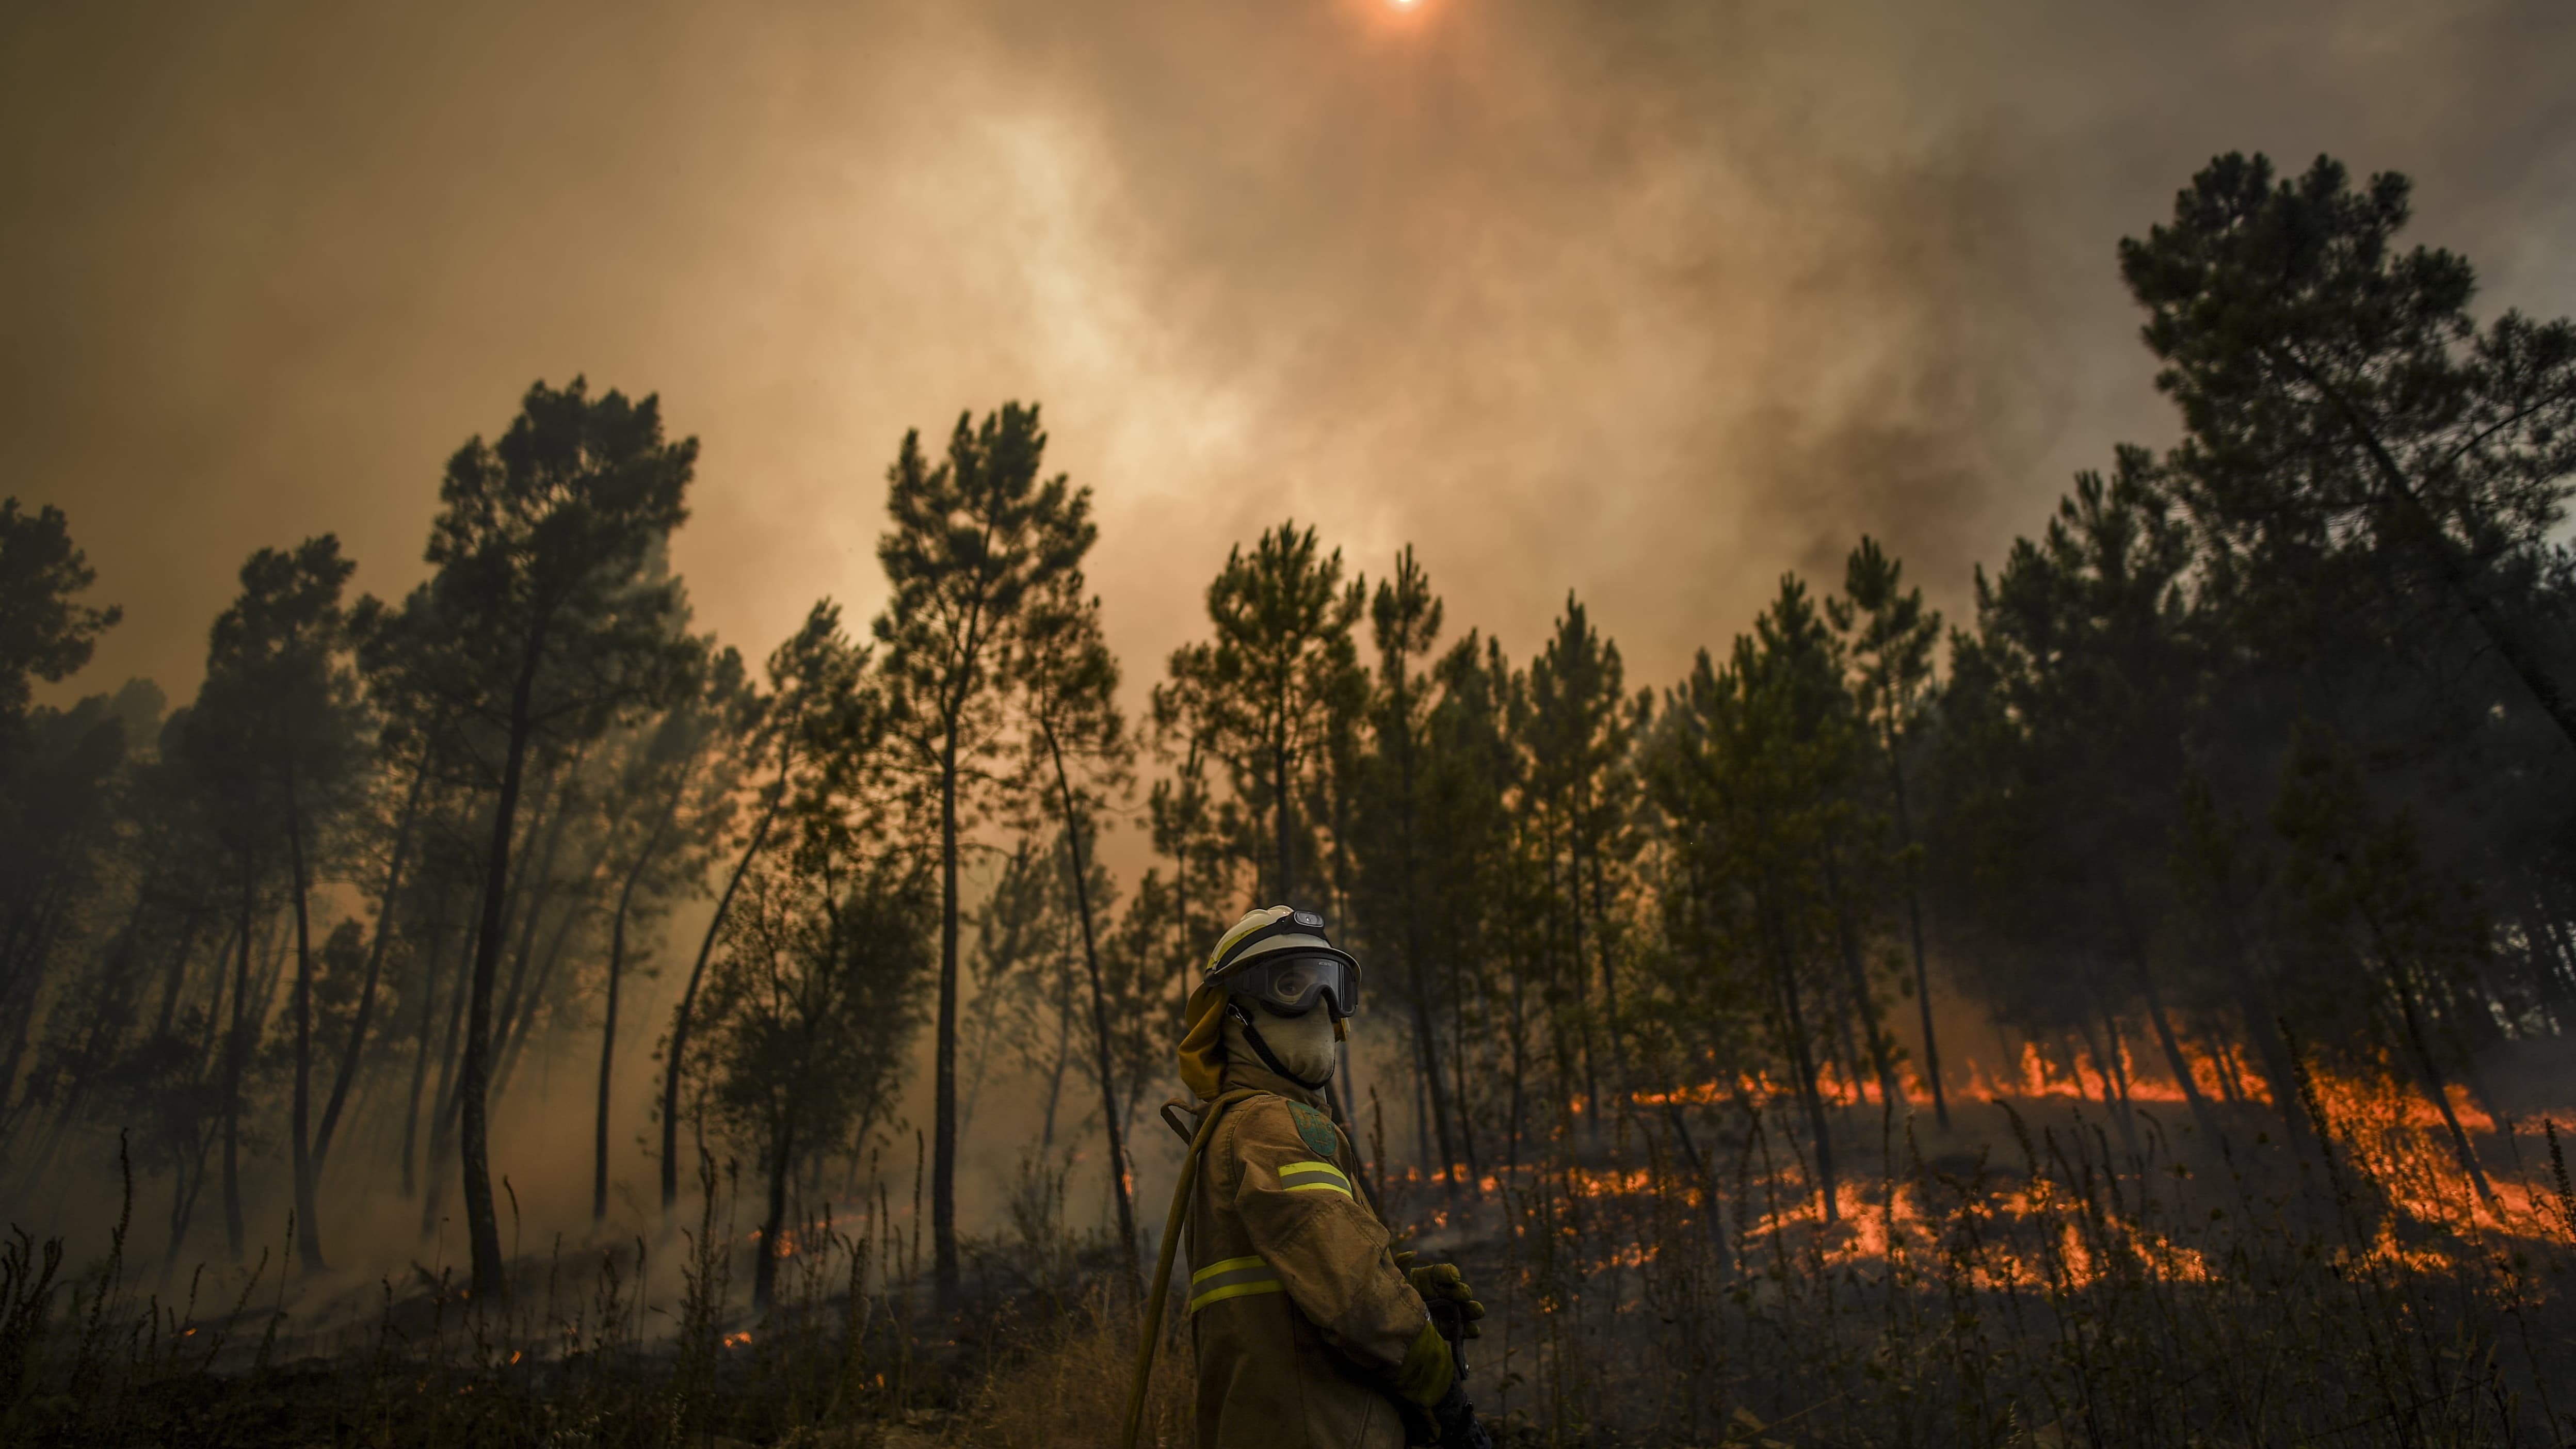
(2138, 1013)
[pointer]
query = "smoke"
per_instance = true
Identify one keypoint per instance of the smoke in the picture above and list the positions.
(1649, 301)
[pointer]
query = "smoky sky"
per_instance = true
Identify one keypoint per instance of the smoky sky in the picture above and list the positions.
(1647, 301)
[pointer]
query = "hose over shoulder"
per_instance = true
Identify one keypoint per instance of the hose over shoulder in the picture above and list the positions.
(1152, 1334)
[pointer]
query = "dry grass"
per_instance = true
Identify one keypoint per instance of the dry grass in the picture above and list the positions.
(1071, 1388)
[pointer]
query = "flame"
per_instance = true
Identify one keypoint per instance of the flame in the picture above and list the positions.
(2040, 1235)
(737, 1340)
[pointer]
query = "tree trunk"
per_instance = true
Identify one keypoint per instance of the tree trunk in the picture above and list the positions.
(2429, 1076)
(1279, 822)
(689, 995)
(177, 980)
(308, 1230)
(491, 1278)
(1819, 1125)
(1427, 1052)
(782, 1162)
(1914, 918)
(420, 1057)
(2175, 1061)
(537, 884)
(943, 1170)
(512, 1031)
(1055, 1074)
(1856, 978)
(1517, 1120)
(1580, 974)
(1109, 1113)
(2552, 968)
(1802, 1058)
(1458, 1061)
(442, 1113)
(233, 1050)
(616, 971)
(2115, 1081)
(348, 1072)
(607, 1059)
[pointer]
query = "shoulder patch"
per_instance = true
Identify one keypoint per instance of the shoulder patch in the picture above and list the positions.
(1317, 1131)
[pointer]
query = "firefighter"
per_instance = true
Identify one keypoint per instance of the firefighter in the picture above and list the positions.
(1309, 1330)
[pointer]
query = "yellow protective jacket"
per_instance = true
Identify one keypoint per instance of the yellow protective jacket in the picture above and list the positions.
(1306, 1331)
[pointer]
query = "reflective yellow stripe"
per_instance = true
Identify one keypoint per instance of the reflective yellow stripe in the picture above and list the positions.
(1313, 1169)
(1236, 1290)
(1228, 1266)
(1234, 1278)
(1320, 1187)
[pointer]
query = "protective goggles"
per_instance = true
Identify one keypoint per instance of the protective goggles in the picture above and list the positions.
(1289, 983)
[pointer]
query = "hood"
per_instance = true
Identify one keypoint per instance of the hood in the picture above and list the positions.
(1202, 1048)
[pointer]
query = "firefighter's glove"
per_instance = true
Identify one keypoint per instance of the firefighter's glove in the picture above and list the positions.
(1428, 1373)
(1443, 1280)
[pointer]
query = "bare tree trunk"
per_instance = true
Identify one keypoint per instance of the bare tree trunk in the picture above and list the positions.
(607, 1058)
(1279, 822)
(348, 1072)
(233, 1051)
(616, 972)
(2179, 1064)
(689, 995)
(482, 1223)
(1802, 1059)
(308, 1230)
(1581, 975)
(177, 980)
(1458, 1062)
(2115, 1085)
(513, 1031)
(2429, 1076)
(539, 887)
(1914, 918)
(782, 1161)
(1109, 1113)
(943, 1169)
(442, 1115)
(1055, 1074)
(1819, 1125)
(1856, 978)
(420, 1055)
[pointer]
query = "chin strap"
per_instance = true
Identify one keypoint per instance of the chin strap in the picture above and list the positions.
(1269, 1058)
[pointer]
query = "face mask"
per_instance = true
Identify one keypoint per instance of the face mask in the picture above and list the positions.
(1303, 1044)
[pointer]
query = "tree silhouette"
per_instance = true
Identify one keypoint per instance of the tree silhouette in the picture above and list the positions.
(2338, 396)
(546, 621)
(788, 732)
(1263, 692)
(677, 774)
(1892, 657)
(974, 535)
(43, 634)
(281, 703)
(1395, 783)
(818, 985)
(1079, 754)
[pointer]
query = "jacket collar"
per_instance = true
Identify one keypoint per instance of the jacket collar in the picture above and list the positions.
(1260, 1078)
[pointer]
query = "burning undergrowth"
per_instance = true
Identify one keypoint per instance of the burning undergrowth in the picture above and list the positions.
(1678, 1264)
(1665, 1270)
